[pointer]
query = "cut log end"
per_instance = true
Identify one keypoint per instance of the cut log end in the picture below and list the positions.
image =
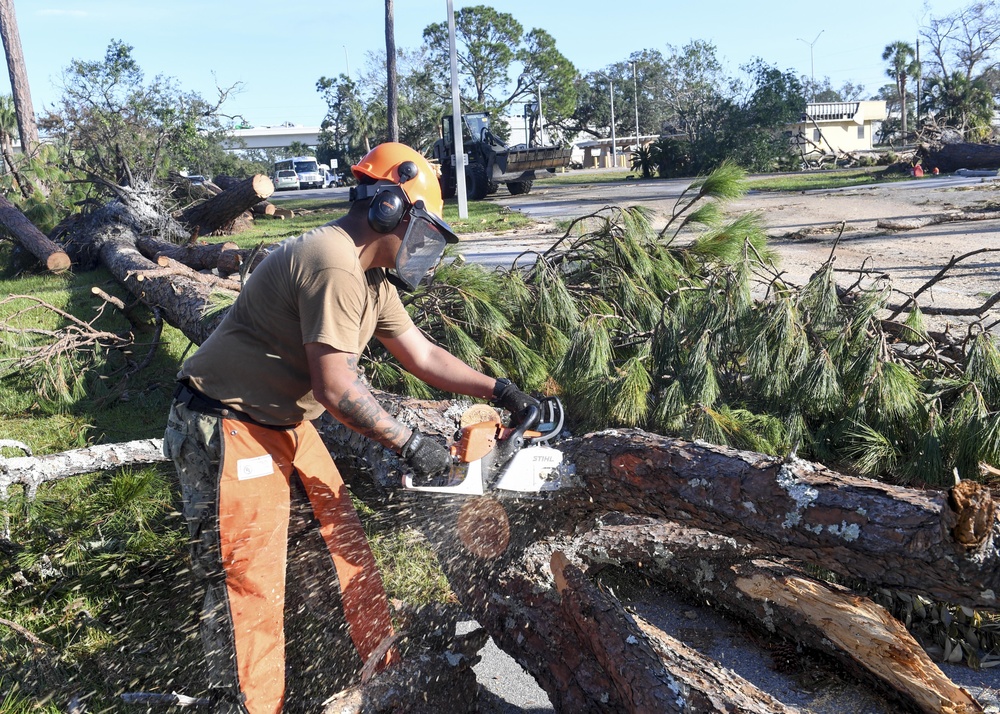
(58, 262)
(975, 512)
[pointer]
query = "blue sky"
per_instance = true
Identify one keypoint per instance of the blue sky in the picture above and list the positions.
(278, 50)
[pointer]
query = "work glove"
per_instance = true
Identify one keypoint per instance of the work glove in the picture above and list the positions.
(506, 395)
(426, 457)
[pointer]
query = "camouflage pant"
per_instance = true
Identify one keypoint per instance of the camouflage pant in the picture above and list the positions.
(320, 656)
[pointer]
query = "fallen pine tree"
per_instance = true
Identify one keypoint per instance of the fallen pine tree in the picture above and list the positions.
(636, 506)
(760, 518)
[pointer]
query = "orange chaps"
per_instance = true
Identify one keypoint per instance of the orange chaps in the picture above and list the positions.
(256, 468)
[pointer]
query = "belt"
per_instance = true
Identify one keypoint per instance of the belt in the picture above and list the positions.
(199, 402)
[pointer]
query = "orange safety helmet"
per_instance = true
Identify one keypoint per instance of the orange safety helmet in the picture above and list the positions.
(382, 164)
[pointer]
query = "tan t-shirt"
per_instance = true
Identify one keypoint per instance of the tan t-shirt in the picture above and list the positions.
(311, 288)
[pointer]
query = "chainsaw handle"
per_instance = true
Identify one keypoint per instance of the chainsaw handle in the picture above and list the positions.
(552, 417)
(514, 441)
(525, 419)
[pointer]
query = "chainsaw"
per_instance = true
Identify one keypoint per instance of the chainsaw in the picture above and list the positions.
(488, 456)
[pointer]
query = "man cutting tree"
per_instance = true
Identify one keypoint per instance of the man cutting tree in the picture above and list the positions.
(240, 435)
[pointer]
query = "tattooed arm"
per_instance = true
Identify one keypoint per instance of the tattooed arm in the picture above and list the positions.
(338, 386)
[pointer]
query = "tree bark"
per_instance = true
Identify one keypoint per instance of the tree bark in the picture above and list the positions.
(197, 256)
(829, 619)
(211, 215)
(34, 241)
(33, 471)
(668, 678)
(896, 537)
(951, 157)
(27, 127)
(184, 301)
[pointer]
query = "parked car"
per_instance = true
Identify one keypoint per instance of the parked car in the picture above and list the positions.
(334, 179)
(286, 180)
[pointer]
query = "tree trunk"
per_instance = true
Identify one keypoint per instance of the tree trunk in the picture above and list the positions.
(924, 541)
(952, 157)
(35, 242)
(826, 618)
(211, 215)
(576, 641)
(670, 677)
(392, 82)
(197, 256)
(32, 471)
(185, 301)
(27, 127)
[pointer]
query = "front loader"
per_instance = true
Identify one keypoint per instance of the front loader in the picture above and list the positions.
(490, 162)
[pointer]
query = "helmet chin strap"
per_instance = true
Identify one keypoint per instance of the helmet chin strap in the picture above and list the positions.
(396, 281)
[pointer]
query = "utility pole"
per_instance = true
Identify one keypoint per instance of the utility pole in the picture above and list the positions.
(392, 82)
(611, 92)
(456, 120)
(635, 87)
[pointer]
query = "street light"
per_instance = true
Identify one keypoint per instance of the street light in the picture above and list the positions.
(812, 67)
(611, 91)
(523, 79)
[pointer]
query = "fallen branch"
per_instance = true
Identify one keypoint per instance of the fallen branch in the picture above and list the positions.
(33, 471)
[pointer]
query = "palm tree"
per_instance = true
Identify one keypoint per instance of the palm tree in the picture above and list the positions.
(964, 103)
(903, 63)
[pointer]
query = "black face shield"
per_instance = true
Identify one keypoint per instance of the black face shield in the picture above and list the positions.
(424, 240)
(423, 245)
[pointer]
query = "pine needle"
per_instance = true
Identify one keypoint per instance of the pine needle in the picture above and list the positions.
(983, 367)
(819, 299)
(896, 393)
(629, 395)
(726, 183)
(589, 353)
(918, 326)
(671, 409)
(821, 390)
(871, 451)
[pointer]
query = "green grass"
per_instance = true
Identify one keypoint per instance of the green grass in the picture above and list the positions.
(811, 180)
(96, 565)
(484, 217)
(585, 176)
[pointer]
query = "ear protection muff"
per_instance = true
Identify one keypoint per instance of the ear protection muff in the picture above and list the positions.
(388, 204)
(386, 211)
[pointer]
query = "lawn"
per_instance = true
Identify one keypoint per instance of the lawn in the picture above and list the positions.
(811, 180)
(94, 567)
(484, 217)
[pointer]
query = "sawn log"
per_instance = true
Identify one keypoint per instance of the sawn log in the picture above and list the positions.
(53, 257)
(208, 216)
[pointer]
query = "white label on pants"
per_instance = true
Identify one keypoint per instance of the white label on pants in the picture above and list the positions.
(254, 468)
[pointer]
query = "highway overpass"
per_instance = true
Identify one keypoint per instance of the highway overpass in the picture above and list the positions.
(272, 137)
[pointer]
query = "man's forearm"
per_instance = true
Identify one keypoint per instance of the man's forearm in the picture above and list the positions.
(356, 408)
(448, 373)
